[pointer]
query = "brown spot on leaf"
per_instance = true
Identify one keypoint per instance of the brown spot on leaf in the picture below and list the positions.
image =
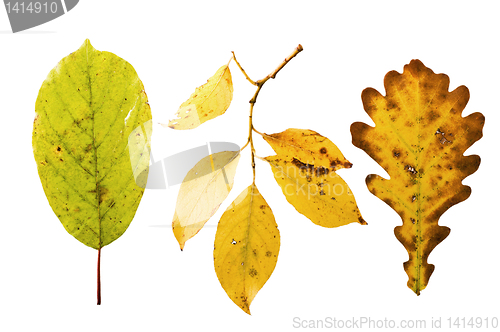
(318, 171)
(103, 193)
(334, 163)
(411, 169)
(252, 273)
(388, 201)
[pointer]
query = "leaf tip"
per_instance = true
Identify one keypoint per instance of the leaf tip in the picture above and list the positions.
(87, 44)
(87, 47)
(362, 221)
(246, 309)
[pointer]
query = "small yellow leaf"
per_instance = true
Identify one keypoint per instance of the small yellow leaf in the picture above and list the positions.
(307, 146)
(201, 193)
(207, 102)
(316, 192)
(246, 247)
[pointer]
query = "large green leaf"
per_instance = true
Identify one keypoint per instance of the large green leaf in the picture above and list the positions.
(92, 172)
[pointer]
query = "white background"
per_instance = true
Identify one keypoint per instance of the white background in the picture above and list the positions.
(48, 279)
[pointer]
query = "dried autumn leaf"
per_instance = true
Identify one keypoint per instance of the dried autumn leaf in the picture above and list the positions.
(419, 139)
(246, 247)
(201, 193)
(87, 160)
(207, 102)
(316, 192)
(304, 168)
(307, 146)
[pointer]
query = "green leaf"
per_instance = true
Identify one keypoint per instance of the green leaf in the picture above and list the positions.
(86, 110)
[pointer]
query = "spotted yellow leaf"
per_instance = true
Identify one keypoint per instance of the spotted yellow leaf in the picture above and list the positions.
(308, 147)
(246, 247)
(201, 193)
(419, 138)
(207, 101)
(318, 193)
(304, 168)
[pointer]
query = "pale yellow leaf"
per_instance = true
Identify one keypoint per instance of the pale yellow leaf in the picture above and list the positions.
(246, 247)
(317, 192)
(207, 102)
(201, 193)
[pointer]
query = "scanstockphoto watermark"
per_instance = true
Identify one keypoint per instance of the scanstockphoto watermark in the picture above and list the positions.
(357, 323)
(388, 323)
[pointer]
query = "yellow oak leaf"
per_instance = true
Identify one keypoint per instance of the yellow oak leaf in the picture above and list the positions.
(246, 247)
(207, 102)
(419, 139)
(201, 193)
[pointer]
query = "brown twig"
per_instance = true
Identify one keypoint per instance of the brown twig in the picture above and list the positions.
(261, 82)
(259, 85)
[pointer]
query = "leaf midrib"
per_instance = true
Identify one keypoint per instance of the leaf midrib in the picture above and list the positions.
(417, 153)
(94, 148)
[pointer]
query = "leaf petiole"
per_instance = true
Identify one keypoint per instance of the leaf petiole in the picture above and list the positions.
(242, 70)
(99, 276)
